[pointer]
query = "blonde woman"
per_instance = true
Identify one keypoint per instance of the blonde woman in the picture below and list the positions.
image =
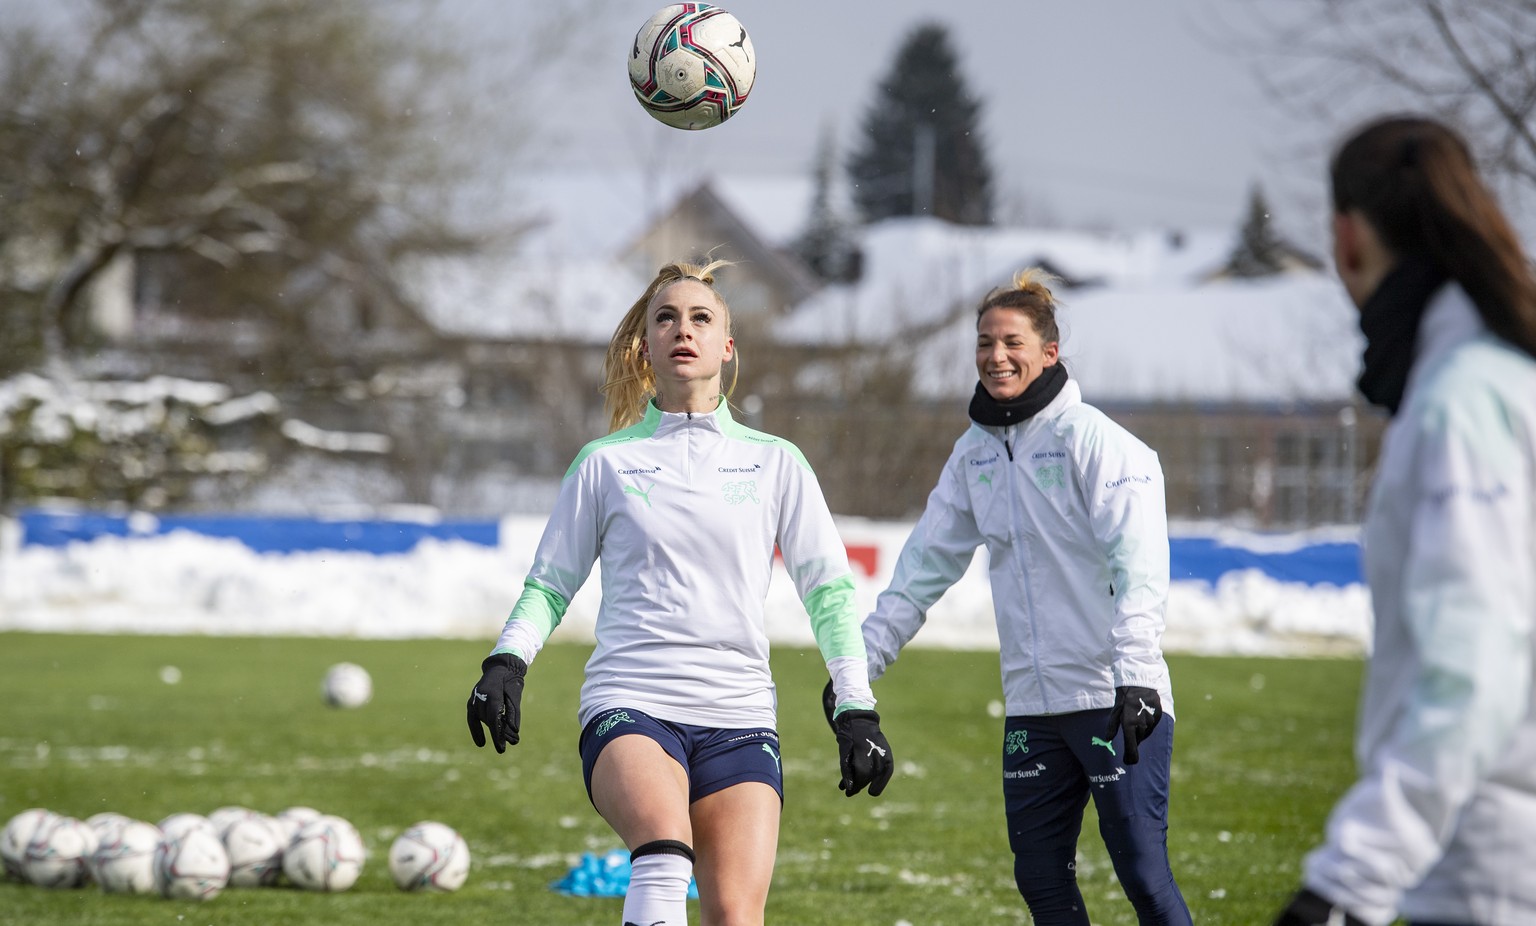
(1070, 508)
(683, 507)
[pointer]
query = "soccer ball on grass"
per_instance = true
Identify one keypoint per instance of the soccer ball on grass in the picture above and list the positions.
(347, 685)
(429, 856)
(326, 855)
(124, 860)
(191, 865)
(19, 831)
(255, 846)
(59, 852)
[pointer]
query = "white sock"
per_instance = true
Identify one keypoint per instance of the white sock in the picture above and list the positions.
(658, 891)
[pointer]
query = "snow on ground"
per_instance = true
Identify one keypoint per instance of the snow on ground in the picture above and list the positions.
(186, 583)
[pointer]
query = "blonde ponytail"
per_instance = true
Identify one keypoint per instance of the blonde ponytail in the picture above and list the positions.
(628, 379)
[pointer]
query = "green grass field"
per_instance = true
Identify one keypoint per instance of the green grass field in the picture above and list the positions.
(1263, 749)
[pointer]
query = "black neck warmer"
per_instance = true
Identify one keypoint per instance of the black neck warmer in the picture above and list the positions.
(1037, 395)
(1390, 321)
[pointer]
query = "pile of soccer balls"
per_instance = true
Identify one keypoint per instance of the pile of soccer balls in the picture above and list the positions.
(195, 857)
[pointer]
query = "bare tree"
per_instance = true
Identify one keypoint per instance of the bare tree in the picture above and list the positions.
(266, 155)
(1470, 62)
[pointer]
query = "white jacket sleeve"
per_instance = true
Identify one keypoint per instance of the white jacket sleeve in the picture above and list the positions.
(1469, 603)
(1123, 490)
(561, 564)
(817, 562)
(935, 556)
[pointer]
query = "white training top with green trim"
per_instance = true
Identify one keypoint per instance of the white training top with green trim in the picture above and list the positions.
(683, 511)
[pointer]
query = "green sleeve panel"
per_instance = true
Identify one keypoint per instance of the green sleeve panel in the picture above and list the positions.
(543, 607)
(834, 619)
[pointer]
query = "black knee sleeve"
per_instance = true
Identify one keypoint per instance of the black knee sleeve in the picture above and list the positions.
(663, 847)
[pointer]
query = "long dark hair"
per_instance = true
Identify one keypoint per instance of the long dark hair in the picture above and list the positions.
(1414, 179)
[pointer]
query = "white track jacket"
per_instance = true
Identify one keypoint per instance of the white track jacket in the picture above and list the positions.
(1070, 507)
(684, 510)
(1441, 825)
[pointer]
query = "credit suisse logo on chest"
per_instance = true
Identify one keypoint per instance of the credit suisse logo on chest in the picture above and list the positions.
(738, 488)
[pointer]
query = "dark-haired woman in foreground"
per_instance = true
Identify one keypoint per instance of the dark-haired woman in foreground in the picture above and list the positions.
(1441, 826)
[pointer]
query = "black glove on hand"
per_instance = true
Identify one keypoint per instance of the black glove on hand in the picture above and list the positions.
(865, 755)
(829, 704)
(497, 700)
(1310, 909)
(1137, 712)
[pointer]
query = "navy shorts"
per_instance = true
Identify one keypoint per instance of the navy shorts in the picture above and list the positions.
(712, 759)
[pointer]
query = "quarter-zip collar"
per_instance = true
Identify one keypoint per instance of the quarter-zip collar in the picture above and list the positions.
(658, 422)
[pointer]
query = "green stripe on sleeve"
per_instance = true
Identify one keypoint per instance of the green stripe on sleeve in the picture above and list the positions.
(541, 606)
(835, 619)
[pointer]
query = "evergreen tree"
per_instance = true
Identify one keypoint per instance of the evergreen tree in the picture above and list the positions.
(827, 245)
(1259, 251)
(921, 150)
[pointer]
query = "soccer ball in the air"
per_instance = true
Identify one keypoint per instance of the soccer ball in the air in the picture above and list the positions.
(192, 865)
(692, 65)
(59, 852)
(124, 860)
(429, 856)
(255, 845)
(326, 855)
(347, 685)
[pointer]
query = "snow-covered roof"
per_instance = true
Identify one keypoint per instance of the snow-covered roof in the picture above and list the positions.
(1278, 341)
(1146, 324)
(590, 213)
(563, 280)
(1148, 328)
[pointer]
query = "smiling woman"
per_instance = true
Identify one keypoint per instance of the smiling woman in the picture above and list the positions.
(1071, 509)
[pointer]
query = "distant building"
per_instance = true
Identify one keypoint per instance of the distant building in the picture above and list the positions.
(1243, 383)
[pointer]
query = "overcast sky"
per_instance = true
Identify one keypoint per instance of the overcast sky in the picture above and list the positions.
(1121, 113)
(1112, 113)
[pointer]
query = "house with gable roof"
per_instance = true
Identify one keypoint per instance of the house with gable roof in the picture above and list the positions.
(1244, 385)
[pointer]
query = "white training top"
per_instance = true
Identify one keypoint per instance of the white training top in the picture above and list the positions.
(1070, 507)
(1439, 826)
(684, 511)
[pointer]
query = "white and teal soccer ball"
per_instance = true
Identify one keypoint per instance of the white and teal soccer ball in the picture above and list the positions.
(225, 817)
(59, 853)
(191, 866)
(106, 823)
(292, 819)
(692, 65)
(14, 838)
(326, 855)
(124, 860)
(179, 824)
(430, 856)
(255, 846)
(347, 685)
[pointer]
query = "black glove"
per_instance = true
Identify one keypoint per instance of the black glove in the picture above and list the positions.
(1310, 909)
(497, 700)
(829, 704)
(1137, 712)
(864, 754)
